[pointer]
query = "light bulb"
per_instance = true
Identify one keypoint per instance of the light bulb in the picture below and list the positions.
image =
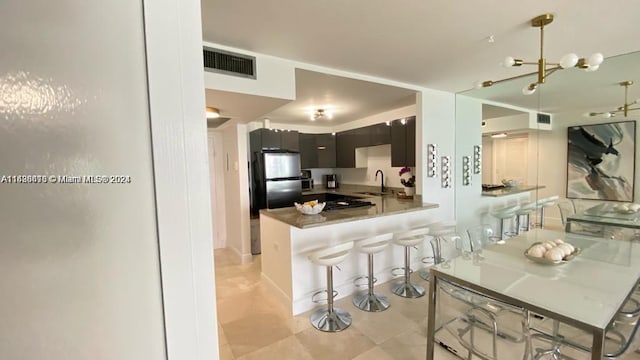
(403, 121)
(595, 59)
(529, 89)
(509, 61)
(478, 84)
(568, 61)
(607, 115)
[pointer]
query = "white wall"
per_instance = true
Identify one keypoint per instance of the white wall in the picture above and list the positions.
(436, 125)
(275, 77)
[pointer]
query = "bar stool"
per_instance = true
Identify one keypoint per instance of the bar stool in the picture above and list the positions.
(407, 239)
(545, 203)
(506, 213)
(525, 211)
(371, 301)
(330, 319)
(437, 236)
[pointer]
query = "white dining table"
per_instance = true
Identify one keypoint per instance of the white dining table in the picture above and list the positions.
(585, 292)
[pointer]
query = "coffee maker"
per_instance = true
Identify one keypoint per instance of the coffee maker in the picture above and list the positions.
(331, 181)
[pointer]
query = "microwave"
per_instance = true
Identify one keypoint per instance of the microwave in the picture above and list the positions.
(307, 184)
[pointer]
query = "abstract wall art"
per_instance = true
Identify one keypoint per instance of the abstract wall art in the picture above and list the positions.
(601, 161)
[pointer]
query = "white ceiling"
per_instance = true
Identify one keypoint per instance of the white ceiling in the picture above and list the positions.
(348, 99)
(436, 44)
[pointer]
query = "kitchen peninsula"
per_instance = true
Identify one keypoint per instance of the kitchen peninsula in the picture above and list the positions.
(288, 236)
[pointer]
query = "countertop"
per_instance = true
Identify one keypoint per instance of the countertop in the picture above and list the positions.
(383, 206)
(511, 190)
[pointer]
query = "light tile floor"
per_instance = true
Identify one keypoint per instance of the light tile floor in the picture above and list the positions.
(253, 325)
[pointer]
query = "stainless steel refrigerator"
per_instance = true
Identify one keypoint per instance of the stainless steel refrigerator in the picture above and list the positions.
(275, 182)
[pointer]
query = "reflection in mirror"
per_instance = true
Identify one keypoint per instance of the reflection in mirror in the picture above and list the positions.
(535, 150)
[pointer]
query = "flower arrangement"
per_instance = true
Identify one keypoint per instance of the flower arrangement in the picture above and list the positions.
(411, 181)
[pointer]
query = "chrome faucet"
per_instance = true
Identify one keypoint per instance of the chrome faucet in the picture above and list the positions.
(381, 179)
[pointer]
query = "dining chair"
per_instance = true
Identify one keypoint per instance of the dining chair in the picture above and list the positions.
(618, 337)
(571, 207)
(483, 315)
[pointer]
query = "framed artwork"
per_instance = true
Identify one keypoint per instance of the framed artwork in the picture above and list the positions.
(601, 161)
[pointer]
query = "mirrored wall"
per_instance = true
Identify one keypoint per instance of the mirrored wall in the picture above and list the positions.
(525, 138)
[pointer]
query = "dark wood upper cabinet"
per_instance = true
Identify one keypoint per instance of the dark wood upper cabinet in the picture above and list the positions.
(403, 143)
(273, 139)
(289, 140)
(346, 149)
(326, 150)
(411, 141)
(308, 154)
(317, 151)
(379, 134)
(270, 139)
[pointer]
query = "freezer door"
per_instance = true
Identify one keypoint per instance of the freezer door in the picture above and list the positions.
(281, 165)
(283, 193)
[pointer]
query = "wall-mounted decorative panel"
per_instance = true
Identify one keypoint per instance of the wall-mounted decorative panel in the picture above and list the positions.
(466, 170)
(432, 163)
(477, 159)
(446, 171)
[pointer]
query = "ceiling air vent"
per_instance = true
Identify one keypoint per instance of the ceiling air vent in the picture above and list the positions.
(544, 118)
(226, 62)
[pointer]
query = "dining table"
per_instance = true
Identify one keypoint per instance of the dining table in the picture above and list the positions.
(585, 292)
(605, 214)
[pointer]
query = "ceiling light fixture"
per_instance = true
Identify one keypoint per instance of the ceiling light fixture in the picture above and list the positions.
(622, 109)
(546, 68)
(212, 113)
(320, 113)
(499, 135)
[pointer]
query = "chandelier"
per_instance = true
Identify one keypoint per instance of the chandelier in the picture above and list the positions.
(622, 109)
(546, 68)
(319, 114)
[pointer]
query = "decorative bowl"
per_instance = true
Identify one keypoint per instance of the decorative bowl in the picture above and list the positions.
(626, 208)
(510, 182)
(545, 261)
(310, 207)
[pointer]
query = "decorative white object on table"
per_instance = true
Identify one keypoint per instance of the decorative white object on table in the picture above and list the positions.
(310, 207)
(626, 208)
(551, 252)
(510, 182)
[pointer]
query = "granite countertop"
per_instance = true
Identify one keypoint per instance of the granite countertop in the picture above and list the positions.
(511, 190)
(383, 206)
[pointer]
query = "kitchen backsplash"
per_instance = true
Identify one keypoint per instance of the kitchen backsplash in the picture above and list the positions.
(379, 157)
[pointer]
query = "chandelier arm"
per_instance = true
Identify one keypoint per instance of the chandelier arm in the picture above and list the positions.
(550, 71)
(512, 78)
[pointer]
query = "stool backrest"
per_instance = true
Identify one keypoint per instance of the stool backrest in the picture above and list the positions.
(480, 236)
(566, 209)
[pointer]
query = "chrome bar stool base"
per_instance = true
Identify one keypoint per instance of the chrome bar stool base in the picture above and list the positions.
(371, 302)
(334, 321)
(408, 239)
(408, 290)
